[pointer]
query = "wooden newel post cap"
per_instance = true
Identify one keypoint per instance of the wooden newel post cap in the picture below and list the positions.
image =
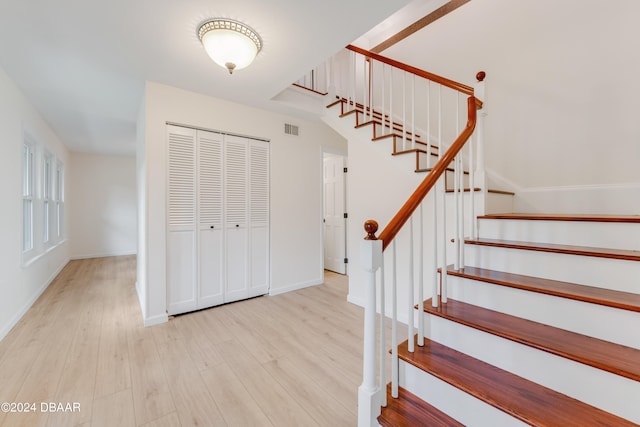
(480, 76)
(371, 227)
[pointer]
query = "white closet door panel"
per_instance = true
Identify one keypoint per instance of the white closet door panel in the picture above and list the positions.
(259, 274)
(235, 181)
(210, 179)
(210, 291)
(181, 272)
(182, 178)
(236, 265)
(259, 183)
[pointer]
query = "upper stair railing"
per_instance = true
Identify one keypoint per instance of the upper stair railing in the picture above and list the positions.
(423, 114)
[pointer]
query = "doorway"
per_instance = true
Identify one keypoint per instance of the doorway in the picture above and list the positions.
(335, 213)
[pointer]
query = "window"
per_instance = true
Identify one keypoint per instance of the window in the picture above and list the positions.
(42, 200)
(27, 196)
(59, 200)
(46, 197)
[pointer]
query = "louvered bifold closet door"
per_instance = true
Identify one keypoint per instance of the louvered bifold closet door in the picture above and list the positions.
(181, 220)
(235, 209)
(210, 222)
(259, 217)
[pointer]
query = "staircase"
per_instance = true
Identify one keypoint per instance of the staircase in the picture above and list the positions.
(512, 347)
(537, 319)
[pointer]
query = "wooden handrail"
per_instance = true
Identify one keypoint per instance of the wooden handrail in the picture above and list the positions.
(403, 215)
(467, 90)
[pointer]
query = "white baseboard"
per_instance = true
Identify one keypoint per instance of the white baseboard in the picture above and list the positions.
(16, 318)
(102, 255)
(355, 300)
(296, 286)
(156, 320)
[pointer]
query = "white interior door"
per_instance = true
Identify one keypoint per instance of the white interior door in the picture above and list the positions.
(335, 249)
(210, 224)
(181, 235)
(236, 197)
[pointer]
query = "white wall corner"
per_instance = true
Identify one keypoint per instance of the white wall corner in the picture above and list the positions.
(156, 320)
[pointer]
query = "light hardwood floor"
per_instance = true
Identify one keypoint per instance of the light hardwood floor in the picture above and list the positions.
(288, 360)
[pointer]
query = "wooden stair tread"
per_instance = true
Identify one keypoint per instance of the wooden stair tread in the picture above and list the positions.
(615, 358)
(411, 411)
(448, 169)
(518, 397)
(466, 190)
(566, 217)
(590, 294)
(409, 151)
(624, 254)
(395, 135)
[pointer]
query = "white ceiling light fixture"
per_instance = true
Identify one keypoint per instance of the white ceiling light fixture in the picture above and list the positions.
(231, 44)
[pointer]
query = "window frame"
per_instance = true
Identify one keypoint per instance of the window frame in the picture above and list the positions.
(47, 188)
(28, 194)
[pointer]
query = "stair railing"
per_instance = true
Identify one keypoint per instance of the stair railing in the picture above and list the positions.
(399, 102)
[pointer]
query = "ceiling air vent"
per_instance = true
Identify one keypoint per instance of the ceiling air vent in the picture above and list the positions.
(290, 129)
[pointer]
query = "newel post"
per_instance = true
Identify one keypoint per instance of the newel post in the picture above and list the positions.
(480, 93)
(368, 392)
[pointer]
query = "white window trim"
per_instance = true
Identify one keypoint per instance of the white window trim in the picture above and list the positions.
(28, 194)
(40, 197)
(47, 188)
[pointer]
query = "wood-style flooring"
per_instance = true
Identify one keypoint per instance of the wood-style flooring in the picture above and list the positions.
(288, 360)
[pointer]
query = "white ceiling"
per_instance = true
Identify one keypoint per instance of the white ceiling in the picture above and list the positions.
(83, 63)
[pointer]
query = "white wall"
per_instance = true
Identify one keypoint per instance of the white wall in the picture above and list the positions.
(562, 86)
(21, 285)
(378, 185)
(141, 199)
(102, 207)
(296, 186)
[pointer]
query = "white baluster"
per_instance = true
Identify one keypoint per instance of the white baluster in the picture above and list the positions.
(383, 338)
(354, 79)
(456, 205)
(368, 83)
(394, 324)
(480, 93)
(382, 88)
(391, 100)
(413, 113)
(434, 239)
(404, 119)
(456, 189)
(461, 244)
(472, 184)
(421, 280)
(459, 198)
(443, 291)
(429, 125)
(410, 317)
(365, 89)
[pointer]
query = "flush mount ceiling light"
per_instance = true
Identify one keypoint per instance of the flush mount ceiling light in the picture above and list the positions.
(230, 44)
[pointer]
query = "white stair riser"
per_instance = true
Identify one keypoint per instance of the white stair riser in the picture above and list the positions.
(606, 273)
(579, 233)
(605, 323)
(454, 402)
(595, 387)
